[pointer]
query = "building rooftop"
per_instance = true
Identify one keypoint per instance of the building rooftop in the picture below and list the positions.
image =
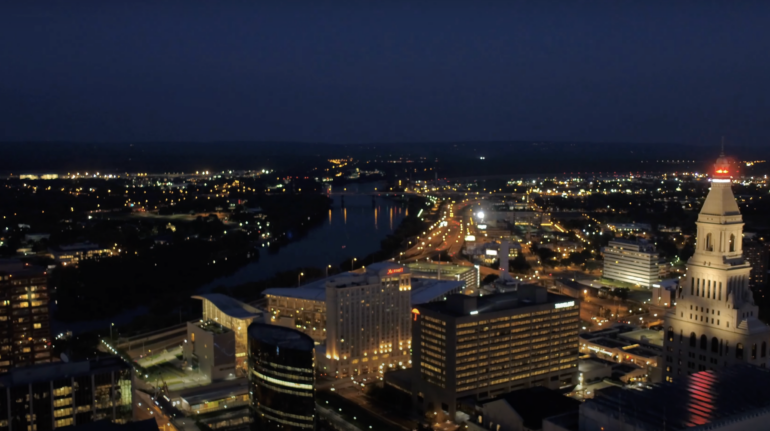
(216, 391)
(645, 336)
(281, 336)
(19, 268)
(525, 296)
(537, 403)
(418, 267)
(230, 306)
(715, 397)
(107, 425)
(58, 370)
(424, 290)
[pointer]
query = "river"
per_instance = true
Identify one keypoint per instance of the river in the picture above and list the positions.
(354, 230)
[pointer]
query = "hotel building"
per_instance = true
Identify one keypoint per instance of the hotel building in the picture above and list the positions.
(634, 262)
(482, 347)
(715, 322)
(369, 330)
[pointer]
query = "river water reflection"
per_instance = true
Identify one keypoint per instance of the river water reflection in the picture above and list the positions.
(354, 230)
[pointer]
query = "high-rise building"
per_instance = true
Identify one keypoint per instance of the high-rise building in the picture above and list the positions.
(47, 396)
(281, 378)
(482, 347)
(634, 262)
(25, 334)
(715, 322)
(756, 254)
(370, 329)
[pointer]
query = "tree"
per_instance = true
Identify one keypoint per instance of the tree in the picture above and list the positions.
(519, 265)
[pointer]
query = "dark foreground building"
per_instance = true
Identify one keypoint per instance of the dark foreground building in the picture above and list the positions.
(282, 380)
(55, 395)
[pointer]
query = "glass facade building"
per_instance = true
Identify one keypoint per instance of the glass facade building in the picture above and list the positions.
(281, 378)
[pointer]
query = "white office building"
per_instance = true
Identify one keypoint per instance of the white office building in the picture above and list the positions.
(633, 262)
(715, 322)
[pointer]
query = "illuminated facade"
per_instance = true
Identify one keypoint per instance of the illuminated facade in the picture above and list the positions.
(482, 347)
(221, 311)
(634, 262)
(48, 396)
(281, 378)
(25, 335)
(715, 322)
(370, 329)
(467, 274)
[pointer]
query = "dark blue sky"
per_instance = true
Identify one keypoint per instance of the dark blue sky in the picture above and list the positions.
(386, 71)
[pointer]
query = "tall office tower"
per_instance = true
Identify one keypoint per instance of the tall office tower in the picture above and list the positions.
(281, 378)
(634, 262)
(368, 327)
(25, 335)
(482, 347)
(47, 396)
(756, 254)
(715, 321)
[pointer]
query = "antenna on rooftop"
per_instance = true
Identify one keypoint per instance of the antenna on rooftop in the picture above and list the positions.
(723, 146)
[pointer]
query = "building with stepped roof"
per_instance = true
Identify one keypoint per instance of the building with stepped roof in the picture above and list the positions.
(715, 321)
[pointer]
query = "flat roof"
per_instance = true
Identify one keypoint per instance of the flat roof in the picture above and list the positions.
(424, 290)
(497, 302)
(60, 370)
(435, 267)
(650, 336)
(216, 391)
(537, 403)
(281, 336)
(230, 306)
(714, 397)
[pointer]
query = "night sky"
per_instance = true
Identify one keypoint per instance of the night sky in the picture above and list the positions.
(386, 71)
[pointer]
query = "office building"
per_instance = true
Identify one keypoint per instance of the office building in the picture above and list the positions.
(218, 344)
(482, 347)
(726, 399)
(436, 271)
(715, 321)
(634, 262)
(47, 396)
(282, 378)
(25, 334)
(756, 254)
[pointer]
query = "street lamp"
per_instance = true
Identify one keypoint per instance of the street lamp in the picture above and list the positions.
(111, 325)
(327, 270)
(351, 263)
(298, 277)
